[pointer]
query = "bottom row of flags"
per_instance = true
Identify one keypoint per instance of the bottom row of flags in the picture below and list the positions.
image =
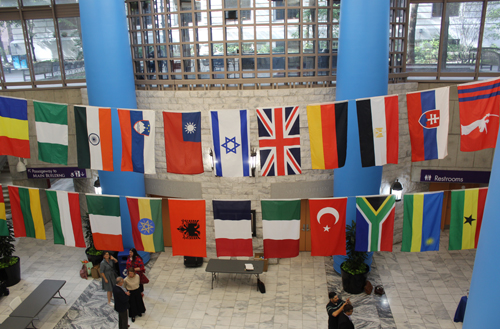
(232, 222)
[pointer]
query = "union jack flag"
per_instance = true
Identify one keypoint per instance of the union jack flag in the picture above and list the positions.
(279, 141)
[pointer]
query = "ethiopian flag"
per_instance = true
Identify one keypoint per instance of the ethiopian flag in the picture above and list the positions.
(422, 221)
(26, 212)
(4, 229)
(467, 208)
(147, 226)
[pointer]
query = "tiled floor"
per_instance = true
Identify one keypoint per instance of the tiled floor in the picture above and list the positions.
(423, 290)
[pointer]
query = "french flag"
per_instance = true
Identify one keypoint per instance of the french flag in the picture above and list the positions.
(428, 120)
(233, 227)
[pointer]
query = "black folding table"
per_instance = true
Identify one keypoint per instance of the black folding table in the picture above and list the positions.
(233, 266)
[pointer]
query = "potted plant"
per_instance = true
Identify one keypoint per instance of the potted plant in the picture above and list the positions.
(354, 271)
(93, 255)
(10, 266)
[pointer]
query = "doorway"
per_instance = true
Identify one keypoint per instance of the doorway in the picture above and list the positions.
(305, 226)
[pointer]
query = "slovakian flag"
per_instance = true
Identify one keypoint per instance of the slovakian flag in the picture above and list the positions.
(14, 132)
(182, 133)
(231, 142)
(26, 211)
(94, 139)
(66, 220)
(4, 229)
(188, 227)
(328, 226)
(105, 221)
(233, 227)
(281, 228)
(374, 222)
(327, 134)
(147, 224)
(428, 120)
(467, 208)
(422, 221)
(479, 104)
(378, 126)
(51, 122)
(138, 140)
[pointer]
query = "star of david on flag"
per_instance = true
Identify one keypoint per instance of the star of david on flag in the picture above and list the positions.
(230, 140)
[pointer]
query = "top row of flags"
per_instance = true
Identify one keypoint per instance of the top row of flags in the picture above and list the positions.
(278, 129)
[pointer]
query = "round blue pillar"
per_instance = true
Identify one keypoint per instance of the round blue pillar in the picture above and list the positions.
(110, 83)
(482, 305)
(362, 71)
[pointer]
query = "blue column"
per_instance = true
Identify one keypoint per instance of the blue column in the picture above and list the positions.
(362, 71)
(110, 83)
(482, 306)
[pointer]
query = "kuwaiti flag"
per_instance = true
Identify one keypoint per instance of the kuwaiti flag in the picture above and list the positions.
(328, 226)
(51, 121)
(230, 137)
(26, 211)
(374, 222)
(105, 221)
(138, 140)
(4, 229)
(281, 228)
(378, 126)
(14, 132)
(94, 139)
(233, 227)
(428, 120)
(66, 221)
(147, 225)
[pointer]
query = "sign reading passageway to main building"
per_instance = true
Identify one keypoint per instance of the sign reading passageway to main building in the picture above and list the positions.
(454, 176)
(62, 172)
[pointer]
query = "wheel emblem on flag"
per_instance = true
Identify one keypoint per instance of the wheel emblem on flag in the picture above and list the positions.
(142, 127)
(146, 226)
(429, 119)
(190, 229)
(94, 139)
(226, 145)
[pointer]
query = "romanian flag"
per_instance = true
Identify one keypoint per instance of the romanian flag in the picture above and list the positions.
(138, 141)
(328, 134)
(94, 139)
(422, 221)
(467, 207)
(14, 132)
(147, 226)
(188, 227)
(4, 229)
(26, 212)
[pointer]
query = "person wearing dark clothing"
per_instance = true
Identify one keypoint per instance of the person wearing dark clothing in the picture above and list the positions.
(345, 318)
(121, 303)
(334, 308)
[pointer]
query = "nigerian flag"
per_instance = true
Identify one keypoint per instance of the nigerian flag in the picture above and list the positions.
(51, 121)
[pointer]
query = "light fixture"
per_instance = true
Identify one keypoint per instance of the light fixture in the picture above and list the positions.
(97, 186)
(212, 162)
(253, 160)
(21, 167)
(397, 190)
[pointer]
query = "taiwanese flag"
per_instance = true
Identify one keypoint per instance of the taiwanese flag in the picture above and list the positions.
(328, 226)
(479, 114)
(233, 228)
(188, 227)
(328, 134)
(183, 142)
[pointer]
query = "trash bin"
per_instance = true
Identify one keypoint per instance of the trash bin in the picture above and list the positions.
(123, 256)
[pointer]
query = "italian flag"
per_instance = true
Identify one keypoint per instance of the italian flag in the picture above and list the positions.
(147, 226)
(26, 212)
(66, 221)
(105, 221)
(281, 228)
(4, 229)
(51, 121)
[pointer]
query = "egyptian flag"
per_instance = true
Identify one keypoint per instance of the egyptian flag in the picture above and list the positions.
(147, 225)
(328, 134)
(233, 228)
(378, 126)
(328, 226)
(188, 227)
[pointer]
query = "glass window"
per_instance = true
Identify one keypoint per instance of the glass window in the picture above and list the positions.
(43, 48)
(248, 64)
(247, 48)
(263, 48)
(262, 32)
(490, 52)
(279, 47)
(14, 59)
(70, 35)
(8, 3)
(27, 3)
(231, 33)
(247, 33)
(203, 34)
(233, 49)
(263, 63)
(278, 31)
(294, 63)
(293, 47)
(217, 34)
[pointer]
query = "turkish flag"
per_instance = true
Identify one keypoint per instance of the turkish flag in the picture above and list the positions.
(327, 226)
(188, 227)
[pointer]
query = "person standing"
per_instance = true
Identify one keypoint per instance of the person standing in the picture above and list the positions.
(135, 261)
(345, 317)
(121, 303)
(132, 284)
(107, 270)
(333, 308)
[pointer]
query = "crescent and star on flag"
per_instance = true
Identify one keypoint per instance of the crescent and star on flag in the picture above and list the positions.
(324, 211)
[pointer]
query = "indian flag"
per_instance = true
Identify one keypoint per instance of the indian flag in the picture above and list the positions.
(105, 221)
(94, 137)
(26, 212)
(66, 221)
(147, 226)
(467, 208)
(281, 228)
(4, 229)
(51, 122)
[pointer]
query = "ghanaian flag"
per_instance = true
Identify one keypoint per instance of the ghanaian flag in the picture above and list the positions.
(147, 226)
